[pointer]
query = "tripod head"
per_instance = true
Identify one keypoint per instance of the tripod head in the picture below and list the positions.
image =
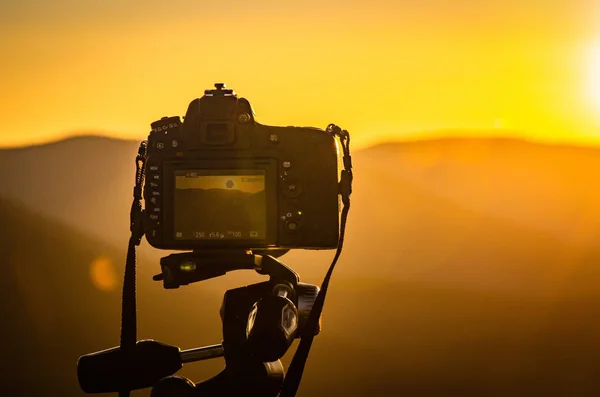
(261, 319)
(260, 322)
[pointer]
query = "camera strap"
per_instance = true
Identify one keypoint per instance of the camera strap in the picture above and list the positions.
(294, 374)
(128, 308)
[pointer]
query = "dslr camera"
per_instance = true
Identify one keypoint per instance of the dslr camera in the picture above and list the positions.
(221, 180)
(237, 194)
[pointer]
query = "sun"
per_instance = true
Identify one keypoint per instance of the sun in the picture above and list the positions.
(594, 82)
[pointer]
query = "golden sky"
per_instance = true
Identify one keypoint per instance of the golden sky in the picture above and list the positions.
(383, 69)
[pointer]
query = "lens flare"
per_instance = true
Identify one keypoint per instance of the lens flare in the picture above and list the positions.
(103, 274)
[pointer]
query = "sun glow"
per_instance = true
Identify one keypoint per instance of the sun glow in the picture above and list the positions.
(594, 86)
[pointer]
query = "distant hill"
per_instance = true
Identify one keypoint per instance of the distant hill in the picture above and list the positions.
(56, 305)
(456, 279)
(46, 323)
(482, 203)
(551, 188)
(85, 182)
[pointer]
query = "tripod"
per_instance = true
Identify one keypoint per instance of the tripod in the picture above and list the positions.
(260, 322)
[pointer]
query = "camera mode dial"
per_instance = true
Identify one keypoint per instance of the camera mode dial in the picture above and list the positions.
(166, 124)
(165, 134)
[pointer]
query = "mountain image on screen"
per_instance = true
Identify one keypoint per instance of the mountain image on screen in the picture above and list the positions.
(219, 210)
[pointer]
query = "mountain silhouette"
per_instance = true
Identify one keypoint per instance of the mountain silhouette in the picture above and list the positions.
(447, 285)
(56, 305)
(85, 182)
(52, 312)
(541, 186)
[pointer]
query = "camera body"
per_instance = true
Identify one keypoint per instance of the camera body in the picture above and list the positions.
(220, 180)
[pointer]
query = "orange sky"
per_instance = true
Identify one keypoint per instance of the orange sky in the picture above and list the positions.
(382, 69)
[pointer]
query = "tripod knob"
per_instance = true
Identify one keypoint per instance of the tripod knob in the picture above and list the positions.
(272, 326)
(110, 370)
(174, 386)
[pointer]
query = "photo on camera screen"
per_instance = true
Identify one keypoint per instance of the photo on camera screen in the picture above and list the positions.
(220, 204)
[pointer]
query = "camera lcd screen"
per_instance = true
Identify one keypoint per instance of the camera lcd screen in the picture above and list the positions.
(220, 204)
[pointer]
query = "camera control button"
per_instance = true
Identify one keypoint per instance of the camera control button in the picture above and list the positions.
(292, 187)
(287, 164)
(154, 217)
(160, 145)
(154, 168)
(243, 118)
(274, 138)
(291, 226)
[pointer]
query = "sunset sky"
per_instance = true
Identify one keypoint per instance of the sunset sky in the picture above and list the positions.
(382, 69)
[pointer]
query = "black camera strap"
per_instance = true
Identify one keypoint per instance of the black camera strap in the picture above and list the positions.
(128, 309)
(294, 374)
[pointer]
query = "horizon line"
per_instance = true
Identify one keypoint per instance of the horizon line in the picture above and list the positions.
(450, 134)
